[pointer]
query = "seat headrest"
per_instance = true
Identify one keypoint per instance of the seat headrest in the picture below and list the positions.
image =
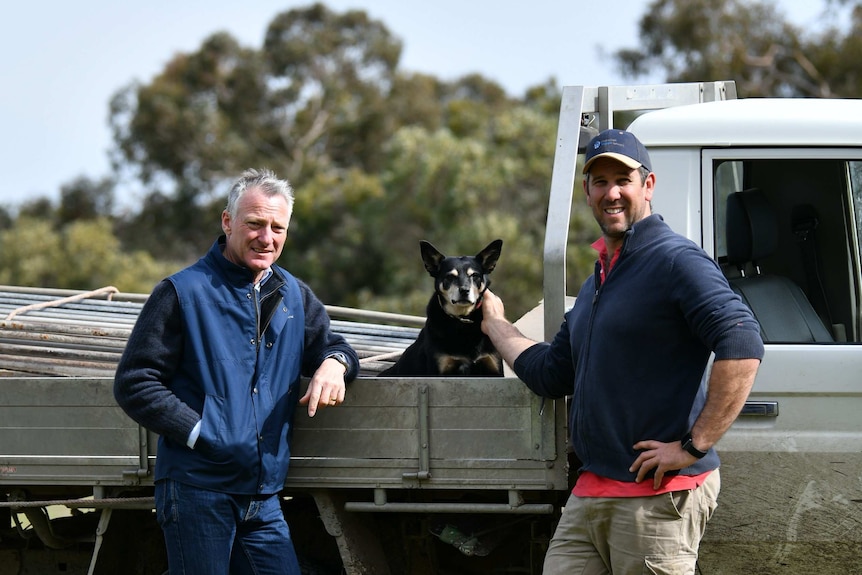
(752, 227)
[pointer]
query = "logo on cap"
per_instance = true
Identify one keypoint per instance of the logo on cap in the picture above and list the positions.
(621, 146)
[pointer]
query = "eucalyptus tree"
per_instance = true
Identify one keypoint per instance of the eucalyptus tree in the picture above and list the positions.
(752, 43)
(85, 198)
(312, 98)
(313, 94)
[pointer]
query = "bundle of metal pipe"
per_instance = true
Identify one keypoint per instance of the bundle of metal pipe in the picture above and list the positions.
(54, 332)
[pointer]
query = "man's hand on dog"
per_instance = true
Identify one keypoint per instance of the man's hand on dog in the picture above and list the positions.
(326, 388)
(492, 308)
(508, 340)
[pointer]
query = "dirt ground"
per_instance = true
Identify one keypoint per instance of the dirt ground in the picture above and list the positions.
(772, 558)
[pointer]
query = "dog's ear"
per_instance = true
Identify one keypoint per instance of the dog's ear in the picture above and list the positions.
(489, 256)
(431, 256)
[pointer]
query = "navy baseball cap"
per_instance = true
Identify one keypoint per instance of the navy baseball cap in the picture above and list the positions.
(620, 145)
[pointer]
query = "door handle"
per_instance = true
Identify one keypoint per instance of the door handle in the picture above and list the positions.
(760, 409)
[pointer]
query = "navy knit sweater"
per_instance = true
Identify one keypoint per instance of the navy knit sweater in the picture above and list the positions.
(633, 350)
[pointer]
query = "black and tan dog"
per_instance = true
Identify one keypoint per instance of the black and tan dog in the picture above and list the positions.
(452, 342)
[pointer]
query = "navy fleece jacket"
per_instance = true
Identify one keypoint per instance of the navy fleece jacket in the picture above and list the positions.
(633, 350)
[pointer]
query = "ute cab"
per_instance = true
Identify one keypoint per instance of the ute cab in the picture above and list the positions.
(770, 188)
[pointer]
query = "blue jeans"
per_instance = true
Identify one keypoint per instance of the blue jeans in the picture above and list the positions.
(211, 533)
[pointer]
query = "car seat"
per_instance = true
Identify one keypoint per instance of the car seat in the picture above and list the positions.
(778, 303)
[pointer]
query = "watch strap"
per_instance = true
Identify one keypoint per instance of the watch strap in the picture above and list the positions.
(688, 445)
(342, 359)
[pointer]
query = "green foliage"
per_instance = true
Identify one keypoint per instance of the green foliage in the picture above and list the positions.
(749, 42)
(84, 198)
(194, 120)
(28, 252)
(81, 255)
(6, 218)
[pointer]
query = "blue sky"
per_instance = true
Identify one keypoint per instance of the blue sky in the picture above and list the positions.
(61, 61)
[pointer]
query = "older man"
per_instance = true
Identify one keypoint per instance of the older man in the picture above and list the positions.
(213, 366)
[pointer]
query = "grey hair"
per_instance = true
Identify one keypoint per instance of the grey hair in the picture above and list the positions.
(264, 180)
(644, 172)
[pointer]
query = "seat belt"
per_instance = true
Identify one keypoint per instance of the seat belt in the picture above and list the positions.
(804, 222)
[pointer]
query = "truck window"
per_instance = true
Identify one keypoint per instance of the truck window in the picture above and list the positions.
(728, 179)
(788, 231)
(856, 187)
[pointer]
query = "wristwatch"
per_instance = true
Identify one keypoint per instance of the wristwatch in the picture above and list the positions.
(342, 359)
(689, 446)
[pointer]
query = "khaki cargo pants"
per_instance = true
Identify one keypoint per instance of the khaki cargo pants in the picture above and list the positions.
(632, 536)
